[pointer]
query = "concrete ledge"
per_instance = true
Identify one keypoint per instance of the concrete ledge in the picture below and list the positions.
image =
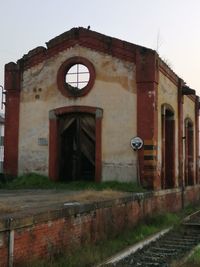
(22, 219)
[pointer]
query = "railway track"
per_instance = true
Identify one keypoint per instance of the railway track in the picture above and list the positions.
(169, 248)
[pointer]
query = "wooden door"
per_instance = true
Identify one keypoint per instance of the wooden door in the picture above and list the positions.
(77, 147)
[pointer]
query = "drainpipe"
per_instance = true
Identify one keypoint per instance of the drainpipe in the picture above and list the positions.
(11, 234)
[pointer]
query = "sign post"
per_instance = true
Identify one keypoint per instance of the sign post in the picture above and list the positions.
(136, 144)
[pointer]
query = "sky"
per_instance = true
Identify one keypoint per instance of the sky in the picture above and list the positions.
(172, 27)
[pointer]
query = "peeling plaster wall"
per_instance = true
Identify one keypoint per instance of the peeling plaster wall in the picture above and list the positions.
(114, 91)
(188, 109)
(189, 112)
(167, 94)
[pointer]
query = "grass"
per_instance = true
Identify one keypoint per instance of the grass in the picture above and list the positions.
(194, 259)
(35, 181)
(90, 255)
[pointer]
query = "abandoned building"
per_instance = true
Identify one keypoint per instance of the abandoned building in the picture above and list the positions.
(73, 107)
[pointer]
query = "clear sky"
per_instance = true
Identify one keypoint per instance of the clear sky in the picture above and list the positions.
(170, 26)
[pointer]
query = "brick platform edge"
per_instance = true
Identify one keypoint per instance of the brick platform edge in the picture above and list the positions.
(23, 238)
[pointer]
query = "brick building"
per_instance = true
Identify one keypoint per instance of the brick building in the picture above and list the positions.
(73, 106)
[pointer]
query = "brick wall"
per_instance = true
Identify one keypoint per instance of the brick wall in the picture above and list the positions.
(41, 234)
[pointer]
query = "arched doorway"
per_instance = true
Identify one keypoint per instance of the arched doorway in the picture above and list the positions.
(168, 147)
(75, 143)
(189, 152)
(77, 147)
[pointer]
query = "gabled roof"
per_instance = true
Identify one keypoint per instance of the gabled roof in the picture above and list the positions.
(84, 37)
(96, 41)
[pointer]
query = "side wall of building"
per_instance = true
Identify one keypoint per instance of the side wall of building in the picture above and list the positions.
(167, 96)
(184, 107)
(189, 114)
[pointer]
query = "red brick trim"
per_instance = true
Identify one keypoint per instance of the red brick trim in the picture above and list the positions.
(64, 68)
(53, 138)
(147, 89)
(95, 41)
(197, 137)
(53, 147)
(83, 37)
(180, 134)
(12, 87)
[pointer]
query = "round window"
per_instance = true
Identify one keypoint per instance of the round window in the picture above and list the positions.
(76, 77)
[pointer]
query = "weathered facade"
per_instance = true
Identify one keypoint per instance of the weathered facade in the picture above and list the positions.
(73, 107)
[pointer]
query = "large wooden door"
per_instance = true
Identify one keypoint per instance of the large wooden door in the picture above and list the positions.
(77, 147)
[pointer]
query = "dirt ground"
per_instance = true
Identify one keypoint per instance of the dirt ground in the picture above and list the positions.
(15, 201)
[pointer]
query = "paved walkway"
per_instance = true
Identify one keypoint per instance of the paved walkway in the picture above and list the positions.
(12, 201)
(33, 201)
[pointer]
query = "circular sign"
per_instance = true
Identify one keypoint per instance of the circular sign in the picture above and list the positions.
(136, 143)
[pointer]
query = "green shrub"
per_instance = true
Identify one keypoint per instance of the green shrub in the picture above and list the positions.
(36, 181)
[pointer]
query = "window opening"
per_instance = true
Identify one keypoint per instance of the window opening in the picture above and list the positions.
(78, 76)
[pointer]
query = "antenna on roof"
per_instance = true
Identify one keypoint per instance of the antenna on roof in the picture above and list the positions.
(159, 41)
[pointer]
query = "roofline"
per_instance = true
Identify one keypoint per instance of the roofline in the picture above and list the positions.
(96, 41)
(86, 38)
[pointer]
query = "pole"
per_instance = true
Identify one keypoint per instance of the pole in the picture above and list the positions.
(138, 169)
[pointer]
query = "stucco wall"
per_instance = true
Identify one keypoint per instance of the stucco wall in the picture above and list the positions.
(167, 94)
(189, 113)
(114, 91)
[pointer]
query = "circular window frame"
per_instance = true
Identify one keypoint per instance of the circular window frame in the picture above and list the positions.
(64, 87)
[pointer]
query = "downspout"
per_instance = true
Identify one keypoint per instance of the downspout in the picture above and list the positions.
(11, 235)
